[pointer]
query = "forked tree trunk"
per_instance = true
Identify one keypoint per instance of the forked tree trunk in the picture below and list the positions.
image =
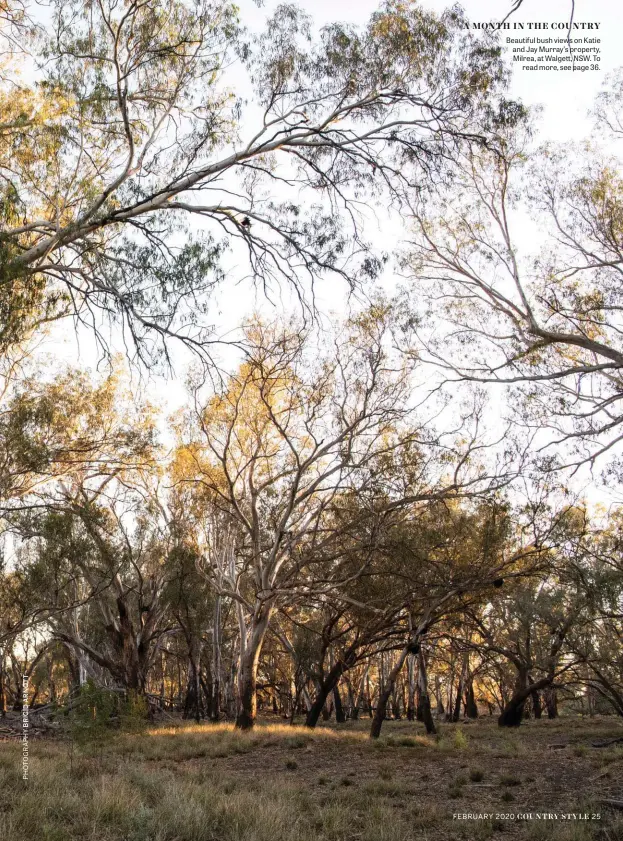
(247, 687)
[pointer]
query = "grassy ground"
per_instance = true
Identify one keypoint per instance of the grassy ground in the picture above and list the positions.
(281, 783)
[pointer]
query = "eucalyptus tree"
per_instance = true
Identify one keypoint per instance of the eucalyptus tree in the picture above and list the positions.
(520, 257)
(155, 136)
(106, 550)
(51, 431)
(86, 518)
(529, 627)
(288, 444)
(445, 556)
(598, 643)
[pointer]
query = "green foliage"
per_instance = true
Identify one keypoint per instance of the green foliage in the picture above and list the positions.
(460, 739)
(94, 715)
(98, 713)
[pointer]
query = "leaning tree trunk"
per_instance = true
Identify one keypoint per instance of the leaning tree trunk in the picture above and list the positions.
(385, 694)
(247, 687)
(512, 714)
(336, 671)
(340, 717)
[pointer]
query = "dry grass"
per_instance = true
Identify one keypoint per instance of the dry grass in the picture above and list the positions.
(210, 783)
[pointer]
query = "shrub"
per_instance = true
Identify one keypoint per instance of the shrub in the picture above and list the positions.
(93, 714)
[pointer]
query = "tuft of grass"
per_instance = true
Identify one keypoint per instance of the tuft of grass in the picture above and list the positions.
(386, 772)
(404, 742)
(460, 739)
(291, 764)
(476, 775)
(454, 791)
(507, 796)
(296, 742)
(509, 780)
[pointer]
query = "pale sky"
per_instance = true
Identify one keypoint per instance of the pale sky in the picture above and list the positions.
(565, 97)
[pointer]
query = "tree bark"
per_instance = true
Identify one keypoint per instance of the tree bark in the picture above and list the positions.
(438, 698)
(411, 706)
(326, 687)
(247, 688)
(192, 702)
(423, 696)
(340, 718)
(512, 714)
(215, 712)
(551, 702)
(471, 707)
(385, 693)
(456, 715)
(2, 689)
(537, 708)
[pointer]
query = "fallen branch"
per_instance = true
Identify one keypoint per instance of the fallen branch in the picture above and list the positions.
(607, 743)
(612, 804)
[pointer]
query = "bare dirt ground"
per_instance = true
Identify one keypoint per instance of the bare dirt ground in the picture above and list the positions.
(206, 782)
